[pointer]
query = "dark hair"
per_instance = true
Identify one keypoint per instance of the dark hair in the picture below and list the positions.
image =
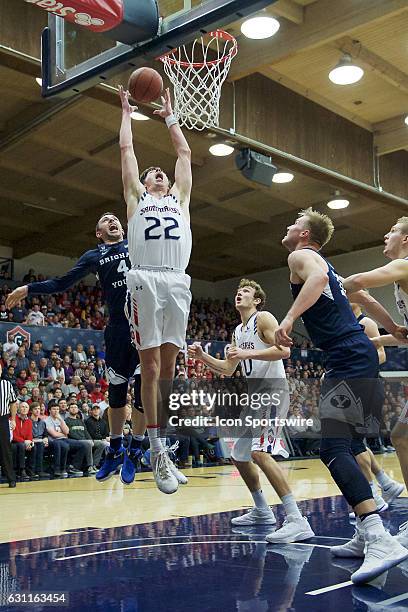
(101, 217)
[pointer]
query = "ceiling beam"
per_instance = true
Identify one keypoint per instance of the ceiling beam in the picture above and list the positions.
(288, 9)
(70, 183)
(32, 201)
(374, 62)
(391, 135)
(324, 21)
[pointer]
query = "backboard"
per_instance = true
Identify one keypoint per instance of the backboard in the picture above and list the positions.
(74, 58)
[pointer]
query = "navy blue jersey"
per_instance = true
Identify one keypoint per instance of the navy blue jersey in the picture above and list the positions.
(331, 318)
(110, 263)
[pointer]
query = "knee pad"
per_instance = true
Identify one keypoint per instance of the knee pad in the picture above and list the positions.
(117, 394)
(338, 458)
(241, 451)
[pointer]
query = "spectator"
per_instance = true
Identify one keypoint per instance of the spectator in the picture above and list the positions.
(35, 468)
(35, 316)
(10, 349)
(22, 379)
(58, 372)
(22, 360)
(97, 396)
(44, 370)
(19, 313)
(57, 432)
(79, 434)
(68, 369)
(22, 441)
(105, 402)
(79, 354)
(99, 433)
(63, 408)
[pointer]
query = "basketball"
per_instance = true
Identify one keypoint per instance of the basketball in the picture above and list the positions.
(145, 85)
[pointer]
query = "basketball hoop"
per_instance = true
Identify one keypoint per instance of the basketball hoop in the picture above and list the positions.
(197, 84)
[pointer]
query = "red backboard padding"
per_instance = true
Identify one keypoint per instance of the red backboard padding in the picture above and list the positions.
(95, 15)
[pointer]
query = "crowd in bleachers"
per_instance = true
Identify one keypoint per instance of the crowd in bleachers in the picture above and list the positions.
(63, 393)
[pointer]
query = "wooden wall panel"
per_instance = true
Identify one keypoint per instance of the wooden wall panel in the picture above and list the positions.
(275, 115)
(394, 173)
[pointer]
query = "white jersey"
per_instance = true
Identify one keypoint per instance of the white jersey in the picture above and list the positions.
(401, 299)
(246, 337)
(159, 235)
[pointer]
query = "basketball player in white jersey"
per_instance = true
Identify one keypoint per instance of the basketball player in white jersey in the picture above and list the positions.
(253, 346)
(395, 272)
(159, 239)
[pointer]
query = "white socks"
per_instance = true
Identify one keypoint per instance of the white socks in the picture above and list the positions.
(383, 479)
(155, 441)
(259, 499)
(290, 505)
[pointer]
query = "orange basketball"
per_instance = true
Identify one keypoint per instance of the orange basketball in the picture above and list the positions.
(145, 85)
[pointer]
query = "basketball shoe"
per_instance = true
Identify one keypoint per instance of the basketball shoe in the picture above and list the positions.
(131, 465)
(256, 516)
(294, 529)
(382, 552)
(392, 491)
(112, 462)
(163, 472)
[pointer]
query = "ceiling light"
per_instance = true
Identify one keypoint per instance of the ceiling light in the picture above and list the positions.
(38, 81)
(338, 202)
(139, 116)
(406, 120)
(282, 177)
(221, 149)
(260, 27)
(346, 72)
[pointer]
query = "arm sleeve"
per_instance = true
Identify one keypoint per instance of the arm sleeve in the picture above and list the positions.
(85, 265)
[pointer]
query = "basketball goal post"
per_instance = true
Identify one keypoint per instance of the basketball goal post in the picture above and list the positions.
(141, 35)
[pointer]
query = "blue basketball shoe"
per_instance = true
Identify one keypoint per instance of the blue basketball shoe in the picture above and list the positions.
(112, 462)
(131, 465)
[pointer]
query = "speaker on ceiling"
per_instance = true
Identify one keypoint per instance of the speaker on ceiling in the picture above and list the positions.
(255, 166)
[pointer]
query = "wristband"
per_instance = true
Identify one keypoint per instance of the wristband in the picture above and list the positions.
(171, 120)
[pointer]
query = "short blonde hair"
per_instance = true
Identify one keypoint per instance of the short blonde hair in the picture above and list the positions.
(320, 225)
(404, 222)
(259, 292)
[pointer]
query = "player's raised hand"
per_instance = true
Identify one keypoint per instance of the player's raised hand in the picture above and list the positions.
(166, 109)
(282, 337)
(124, 98)
(195, 350)
(15, 296)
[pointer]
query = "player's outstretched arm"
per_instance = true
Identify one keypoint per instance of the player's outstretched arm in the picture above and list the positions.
(267, 326)
(371, 330)
(219, 366)
(84, 266)
(380, 277)
(377, 311)
(183, 176)
(132, 187)
(304, 265)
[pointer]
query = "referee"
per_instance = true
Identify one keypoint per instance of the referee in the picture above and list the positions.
(8, 406)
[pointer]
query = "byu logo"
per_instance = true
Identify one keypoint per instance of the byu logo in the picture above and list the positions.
(340, 401)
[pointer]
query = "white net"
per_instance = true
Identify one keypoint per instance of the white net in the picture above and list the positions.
(197, 74)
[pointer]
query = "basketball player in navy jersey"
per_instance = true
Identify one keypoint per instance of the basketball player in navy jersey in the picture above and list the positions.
(390, 489)
(261, 361)
(351, 365)
(160, 243)
(110, 262)
(396, 273)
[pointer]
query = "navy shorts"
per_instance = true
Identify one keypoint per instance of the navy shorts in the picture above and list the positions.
(352, 393)
(121, 360)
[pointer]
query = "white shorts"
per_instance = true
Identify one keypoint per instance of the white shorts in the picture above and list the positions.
(157, 307)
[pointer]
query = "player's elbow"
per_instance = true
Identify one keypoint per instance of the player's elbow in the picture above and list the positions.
(184, 152)
(358, 282)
